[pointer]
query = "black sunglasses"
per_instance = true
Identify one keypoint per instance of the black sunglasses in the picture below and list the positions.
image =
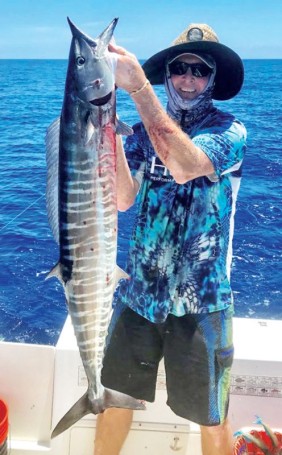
(197, 69)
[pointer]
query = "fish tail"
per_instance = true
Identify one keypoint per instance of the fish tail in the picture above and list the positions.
(110, 399)
(114, 399)
(80, 409)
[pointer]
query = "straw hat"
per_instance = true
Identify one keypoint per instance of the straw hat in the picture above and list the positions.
(201, 39)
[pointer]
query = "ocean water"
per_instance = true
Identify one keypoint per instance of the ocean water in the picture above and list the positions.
(32, 309)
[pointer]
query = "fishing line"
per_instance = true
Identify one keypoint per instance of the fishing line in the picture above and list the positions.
(21, 213)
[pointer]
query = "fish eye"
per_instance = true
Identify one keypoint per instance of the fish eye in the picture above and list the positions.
(80, 60)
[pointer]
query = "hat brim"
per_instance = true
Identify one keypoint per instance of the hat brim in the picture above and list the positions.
(229, 66)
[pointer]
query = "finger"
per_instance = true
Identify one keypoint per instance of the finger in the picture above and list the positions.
(117, 49)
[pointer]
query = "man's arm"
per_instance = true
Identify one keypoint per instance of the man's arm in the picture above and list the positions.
(184, 160)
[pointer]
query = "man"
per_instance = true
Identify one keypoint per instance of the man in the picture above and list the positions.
(184, 168)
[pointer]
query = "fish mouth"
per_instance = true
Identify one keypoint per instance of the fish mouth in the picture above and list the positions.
(101, 101)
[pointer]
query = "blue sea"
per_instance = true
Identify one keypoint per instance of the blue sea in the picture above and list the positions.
(33, 309)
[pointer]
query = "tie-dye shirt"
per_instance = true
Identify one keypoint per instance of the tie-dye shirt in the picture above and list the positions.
(181, 247)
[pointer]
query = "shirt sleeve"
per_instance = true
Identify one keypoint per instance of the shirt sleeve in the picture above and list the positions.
(224, 144)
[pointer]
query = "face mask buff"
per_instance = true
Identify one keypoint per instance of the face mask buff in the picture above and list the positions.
(186, 112)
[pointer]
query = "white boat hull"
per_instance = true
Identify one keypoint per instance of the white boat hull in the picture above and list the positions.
(40, 383)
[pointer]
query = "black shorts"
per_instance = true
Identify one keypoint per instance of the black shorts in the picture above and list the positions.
(198, 354)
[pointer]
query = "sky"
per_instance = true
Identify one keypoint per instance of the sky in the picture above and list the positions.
(38, 28)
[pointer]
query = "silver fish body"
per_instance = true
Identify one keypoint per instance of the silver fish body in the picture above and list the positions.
(87, 214)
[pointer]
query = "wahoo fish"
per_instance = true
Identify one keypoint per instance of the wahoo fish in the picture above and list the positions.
(82, 211)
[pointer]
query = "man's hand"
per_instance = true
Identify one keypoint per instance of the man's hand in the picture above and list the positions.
(129, 73)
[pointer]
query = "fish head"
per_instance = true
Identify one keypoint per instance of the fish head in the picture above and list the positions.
(91, 73)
